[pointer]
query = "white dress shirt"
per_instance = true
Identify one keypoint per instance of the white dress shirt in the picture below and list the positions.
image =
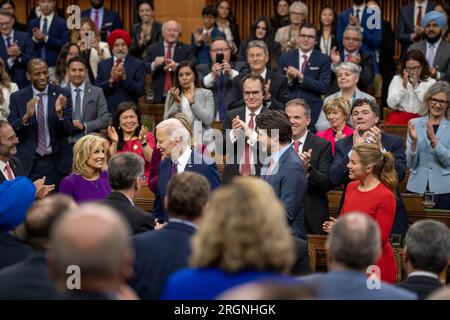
(183, 160)
(74, 96)
(302, 142)
(416, 10)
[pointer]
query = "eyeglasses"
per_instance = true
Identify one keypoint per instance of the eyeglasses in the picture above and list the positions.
(142, 177)
(412, 68)
(220, 50)
(352, 39)
(251, 93)
(307, 36)
(297, 13)
(443, 103)
(5, 23)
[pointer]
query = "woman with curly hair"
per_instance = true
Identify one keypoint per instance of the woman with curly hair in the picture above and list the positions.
(6, 89)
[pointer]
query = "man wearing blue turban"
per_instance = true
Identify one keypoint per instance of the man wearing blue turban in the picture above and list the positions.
(435, 49)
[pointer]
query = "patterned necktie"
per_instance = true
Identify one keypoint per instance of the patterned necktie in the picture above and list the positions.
(296, 146)
(431, 55)
(168, 76)
(349, 57)
(174, 168)
(40, 117)
(9, 174)
(97, 19)
(45, 31)
(8, 41)
(77, 110)
(118, 63)
(305, 61)
(246, 167)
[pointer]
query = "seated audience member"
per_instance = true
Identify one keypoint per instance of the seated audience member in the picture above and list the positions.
(128, 134)
(10, 7)
(174, 143)
(426, 255)
(196, 103)
(89, 180)
(327, 34)
(218, 76)
(353, 245)
(160, 253)
(316, 155)
(201, 37)
(275, 86)
(59, 75)
(372, 191)
(88, 101)
(407, 89)
(435, 49)
(121, 77)
(16, 196)
(427, 147)
(49, 32)
(163, 58)
(365, 117)
(287, 36)
(6, 89)
(283, 169)
(17, 49)
(352, 52)
(146, 32)
(337, 112)
(29, 279)
(347, 74)
(92, 48)
(97, 240)
(308, 71)
(224, 255)
(262, 30)
(226, 22)
(281, 16)
(106, 20)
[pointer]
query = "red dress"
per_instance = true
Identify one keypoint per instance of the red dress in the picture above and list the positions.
(380, 204)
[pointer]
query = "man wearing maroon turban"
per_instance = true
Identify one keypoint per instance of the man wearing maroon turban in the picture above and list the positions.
(122, 77)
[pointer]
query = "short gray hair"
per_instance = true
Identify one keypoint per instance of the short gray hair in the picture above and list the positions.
(349, 66)
(438, 87)
(428, 245)
(356, 29)
(163, 28)
(258, 44)
(302, 103)
(355, 241)
(302, 7)
(123, 169)
(175, 129)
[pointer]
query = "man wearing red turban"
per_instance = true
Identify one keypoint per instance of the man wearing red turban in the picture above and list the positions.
(121, 77)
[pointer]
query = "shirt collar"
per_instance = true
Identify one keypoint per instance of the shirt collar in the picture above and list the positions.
(436, 44)
(81, 87)
(123, 60)
(264, 73)
(361, 7)
(166, 45)
(100, 10)
(35, 91)
(3, 165)
(9, 35)
(248, 112)
(308, 54)
(346, 53)
(423, 274)
(49, 17)
(302, 139)
(423, 5)
(188, 223)
(184, 158)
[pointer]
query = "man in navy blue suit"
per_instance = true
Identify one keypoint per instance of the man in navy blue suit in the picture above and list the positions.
(106, 21)
(49, 32)
(122, 77)
(365, 117)
(41, 115)
(16, 49)
(283, 170)
(174, 144)
(308, 72)
(161, 252)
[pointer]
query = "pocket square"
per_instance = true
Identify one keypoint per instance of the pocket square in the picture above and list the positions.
(313, 68)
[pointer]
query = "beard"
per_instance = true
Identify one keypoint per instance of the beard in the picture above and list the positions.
(434, 39)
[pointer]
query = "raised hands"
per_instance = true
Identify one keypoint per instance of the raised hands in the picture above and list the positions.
(112, 134)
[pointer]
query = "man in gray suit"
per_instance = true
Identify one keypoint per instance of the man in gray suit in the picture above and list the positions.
(435, 49)
(90, 110)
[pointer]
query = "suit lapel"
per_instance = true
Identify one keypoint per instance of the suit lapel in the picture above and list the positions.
(308, 142)
(190, 165)
(442, 128)
(441, 53)
(86, 99)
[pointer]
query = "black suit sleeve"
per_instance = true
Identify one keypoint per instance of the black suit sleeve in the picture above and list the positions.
(318, 177)
(338, 169)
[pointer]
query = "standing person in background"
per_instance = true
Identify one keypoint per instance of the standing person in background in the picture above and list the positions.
(106, 21)
(6, 89)
(226, 22)
(10, 6)
(327, 34)
(288, 36)
(281, 16)
(60, 74)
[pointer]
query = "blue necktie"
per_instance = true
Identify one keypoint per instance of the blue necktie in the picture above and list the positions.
(221, 97)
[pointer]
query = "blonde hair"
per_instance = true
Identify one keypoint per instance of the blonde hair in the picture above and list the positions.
(245, 226)
(76, 34)
(82, 151)
(338, 104)
(383, 163)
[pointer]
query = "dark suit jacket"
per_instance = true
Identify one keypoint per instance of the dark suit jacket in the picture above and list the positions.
(58, 36)
(182, 52)
(27, 279)
(302, 265)
(16, 168)
(339, 172)
(198, 163)
(405, 24)
(333, 36)
(234, 151)
(111, 22)
(137, 50)
(18, 71)
(12, 250)
(129, 89)
(204, 69)
(139, 219)
(421, 285)
(316, 199)
(279, 90)
(202, 51)
(160, 253)
(60, 130)
(316, 81)
(290, 184)
(442, 57)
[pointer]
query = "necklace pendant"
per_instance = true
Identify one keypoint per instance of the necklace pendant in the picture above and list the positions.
(135, 147)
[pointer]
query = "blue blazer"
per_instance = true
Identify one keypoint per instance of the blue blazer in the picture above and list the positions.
(290, 185)
(58, 36)
(202, 51)
(316, 81)
(339, 172)
(60, 130)
(129, 89)
(198, 163)
(159, 253)
(428, 164)
(19, 69)
(111, 21)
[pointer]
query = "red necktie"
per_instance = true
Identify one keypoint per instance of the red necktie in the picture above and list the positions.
(9, 172)
(168, 77)
(349, 57)
(97, 20)
(305, 61)
(419, 17)
(246, 167)
(118, 63)
(296, 146)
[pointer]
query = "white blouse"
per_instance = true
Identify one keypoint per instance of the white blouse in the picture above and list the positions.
(4, 108)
